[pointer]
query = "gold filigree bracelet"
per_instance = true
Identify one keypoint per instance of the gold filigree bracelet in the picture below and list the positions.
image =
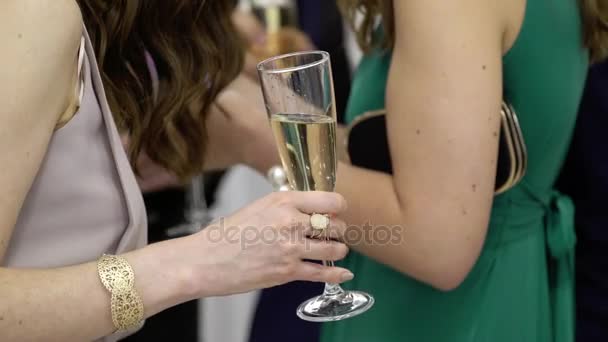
(118, 278)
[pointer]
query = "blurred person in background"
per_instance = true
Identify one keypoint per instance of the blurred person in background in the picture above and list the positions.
(73, 260)
(585, 179)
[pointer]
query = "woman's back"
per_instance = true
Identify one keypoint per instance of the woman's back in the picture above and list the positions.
(544, 75)
(510, 295)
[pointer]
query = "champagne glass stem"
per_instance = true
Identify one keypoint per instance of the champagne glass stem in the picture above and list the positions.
(278, 179)
(196, 201)
(196, 210)
(331, 289)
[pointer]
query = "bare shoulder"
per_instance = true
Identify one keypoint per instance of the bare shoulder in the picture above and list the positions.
(49, 25)
(472, 14)
(49, 11)
(40, 40)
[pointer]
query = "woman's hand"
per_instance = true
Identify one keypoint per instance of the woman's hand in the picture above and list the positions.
(260, 246)
(266, 244)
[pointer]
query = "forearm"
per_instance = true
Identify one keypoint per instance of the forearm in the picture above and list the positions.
(238, 128)
(373, 203)
(231, 143)
(225, 140)
(425, 241)
(71, 304)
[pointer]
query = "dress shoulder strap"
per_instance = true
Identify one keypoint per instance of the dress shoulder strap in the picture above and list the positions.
(76, 99)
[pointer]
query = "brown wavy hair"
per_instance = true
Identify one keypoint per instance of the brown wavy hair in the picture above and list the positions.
(197, 52)
(594, 14)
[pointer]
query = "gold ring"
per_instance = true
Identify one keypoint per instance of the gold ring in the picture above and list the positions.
(319, 221)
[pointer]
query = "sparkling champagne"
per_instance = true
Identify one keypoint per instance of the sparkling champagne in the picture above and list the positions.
(307, 146)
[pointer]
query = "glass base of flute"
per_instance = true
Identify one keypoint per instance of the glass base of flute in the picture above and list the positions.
(335, 304)
(299, 96)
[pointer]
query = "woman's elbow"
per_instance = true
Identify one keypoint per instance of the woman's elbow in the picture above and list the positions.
(454, 257)
(448, 281)
(448, 273)
(441, 259)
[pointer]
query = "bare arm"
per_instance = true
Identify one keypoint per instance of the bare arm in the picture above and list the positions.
(238, 128)
(70, 304)
(37, 65)
(37, 78)
(443, 100)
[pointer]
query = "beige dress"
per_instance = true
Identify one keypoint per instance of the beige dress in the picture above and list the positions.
(85, 200)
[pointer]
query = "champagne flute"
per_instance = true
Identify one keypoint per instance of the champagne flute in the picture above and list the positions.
(299, 97)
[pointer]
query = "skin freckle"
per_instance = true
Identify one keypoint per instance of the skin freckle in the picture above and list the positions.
(474, 187)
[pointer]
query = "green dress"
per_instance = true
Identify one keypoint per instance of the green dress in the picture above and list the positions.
(521, 288)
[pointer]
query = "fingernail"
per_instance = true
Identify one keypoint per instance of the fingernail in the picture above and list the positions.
(347, 276)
